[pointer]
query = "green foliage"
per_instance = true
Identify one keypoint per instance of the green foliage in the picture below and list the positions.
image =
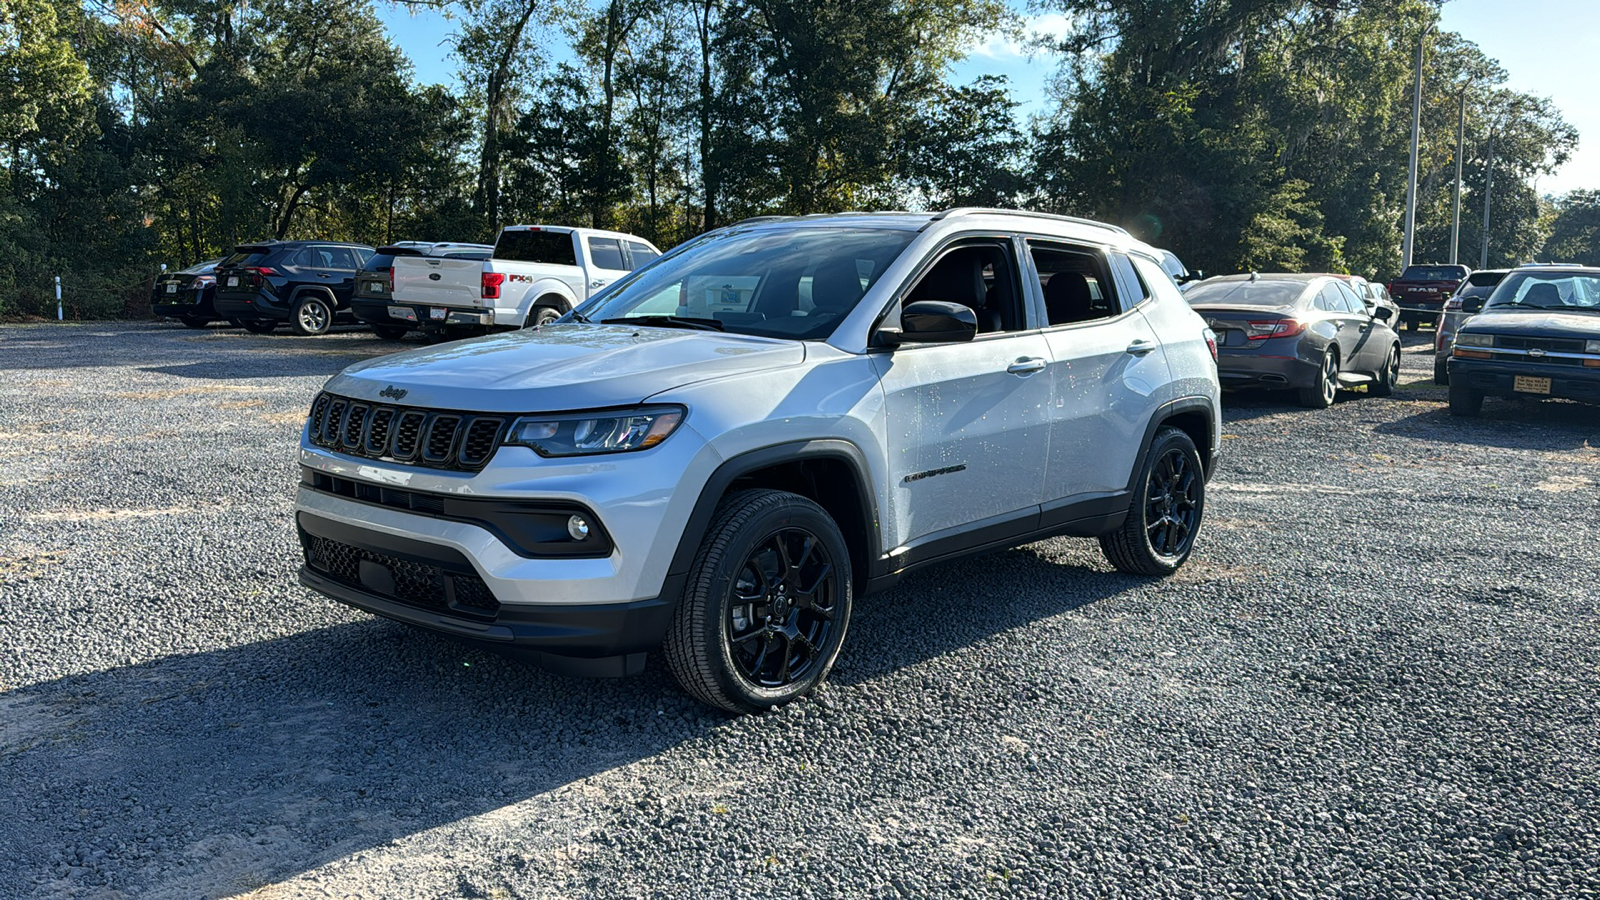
(1575, 230)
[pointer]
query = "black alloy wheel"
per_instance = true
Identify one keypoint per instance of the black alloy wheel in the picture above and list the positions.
(766, 606)
(1389, 376)
(1322, 394)
(782, 610)
(1165, 513)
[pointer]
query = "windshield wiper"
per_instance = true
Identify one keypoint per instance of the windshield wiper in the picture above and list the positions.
(1561, 308)
(668, 322)
(580, 317)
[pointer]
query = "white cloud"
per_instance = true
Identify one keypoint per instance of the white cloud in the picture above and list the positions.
(1001, 45)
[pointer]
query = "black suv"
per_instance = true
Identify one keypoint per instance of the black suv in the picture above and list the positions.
(1538, 336)
(375, 281)
(187, 295)
(305, 283)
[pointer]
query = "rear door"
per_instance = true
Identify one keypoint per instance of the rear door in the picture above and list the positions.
(339, 270)
(1104, 360)
(606, 262)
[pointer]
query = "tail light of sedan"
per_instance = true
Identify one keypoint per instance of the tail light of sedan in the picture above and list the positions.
(1266, 329)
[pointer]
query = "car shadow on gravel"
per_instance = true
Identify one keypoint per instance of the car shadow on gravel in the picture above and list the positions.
(956, 604)
(1507, 424)
(220, 772)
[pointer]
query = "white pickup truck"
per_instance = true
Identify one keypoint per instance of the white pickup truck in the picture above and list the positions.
(536, 274)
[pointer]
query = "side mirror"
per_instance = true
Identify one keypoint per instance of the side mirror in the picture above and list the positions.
(1382, 313)
(932, 322)
(1472, 305)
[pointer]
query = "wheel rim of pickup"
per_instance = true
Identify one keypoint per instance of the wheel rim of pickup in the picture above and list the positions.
(1172, 503)
(781, 615)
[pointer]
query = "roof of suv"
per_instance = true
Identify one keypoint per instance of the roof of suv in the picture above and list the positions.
(1007, 220)
(279, 245)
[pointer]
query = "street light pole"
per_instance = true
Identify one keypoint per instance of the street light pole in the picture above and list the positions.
(1416, 139)
(1455, 205)
(1488, 185)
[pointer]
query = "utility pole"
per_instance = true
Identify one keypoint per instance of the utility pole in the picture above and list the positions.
(1416, 139)
(1488, 185)
(1455, 211)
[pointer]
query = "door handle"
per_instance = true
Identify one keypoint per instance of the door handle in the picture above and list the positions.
(596, 284)
(1141, 347)
(1026, 365)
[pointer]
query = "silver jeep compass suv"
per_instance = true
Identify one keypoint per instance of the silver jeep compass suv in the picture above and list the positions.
(721, 452)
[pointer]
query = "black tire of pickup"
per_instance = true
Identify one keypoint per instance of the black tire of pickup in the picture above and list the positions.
(390, 332)
(542, 315)
(732, 605)
(1172, 481)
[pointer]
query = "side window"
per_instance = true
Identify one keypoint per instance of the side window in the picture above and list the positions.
(1328, 299)
(606, 253)
(1076, 283)
(639, 254)
(1352, 300)
(1156, 280)
(342, 258)
(301, 258)
(1131, 279)
(980, 276)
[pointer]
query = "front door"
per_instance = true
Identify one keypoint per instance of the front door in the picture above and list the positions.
(967, 424)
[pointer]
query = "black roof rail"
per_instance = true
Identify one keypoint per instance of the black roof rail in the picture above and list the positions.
(987, 211)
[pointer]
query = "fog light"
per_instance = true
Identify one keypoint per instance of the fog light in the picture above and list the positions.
(578, 527)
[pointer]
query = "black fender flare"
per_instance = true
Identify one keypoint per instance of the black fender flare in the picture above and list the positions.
(732, 469)
(1162, 415)
(324, 292)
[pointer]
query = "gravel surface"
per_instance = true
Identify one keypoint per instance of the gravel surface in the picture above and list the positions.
(1378, 677)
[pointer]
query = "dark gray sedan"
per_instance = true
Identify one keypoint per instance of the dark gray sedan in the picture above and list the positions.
(1310, 333)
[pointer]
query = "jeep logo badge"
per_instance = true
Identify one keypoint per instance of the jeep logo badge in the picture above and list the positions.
(393, 393)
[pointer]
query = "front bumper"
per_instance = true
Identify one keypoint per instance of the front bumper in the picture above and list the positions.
(1498, 379)
(436, 587)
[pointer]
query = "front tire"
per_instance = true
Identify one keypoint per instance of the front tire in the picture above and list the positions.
(1388, 376)
(1465, 401)
(1441, 372)
(767, 604)
(195, 322)
(1166, 511)
(259, 326)
(312, 316)
(390, 332)
(1321, 395)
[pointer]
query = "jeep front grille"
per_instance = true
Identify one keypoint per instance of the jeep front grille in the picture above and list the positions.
(438, 439)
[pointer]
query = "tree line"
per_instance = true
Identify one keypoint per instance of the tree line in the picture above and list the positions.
(1242, 134)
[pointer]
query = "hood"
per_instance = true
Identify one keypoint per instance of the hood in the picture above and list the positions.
(1536, 323)
(560, 367)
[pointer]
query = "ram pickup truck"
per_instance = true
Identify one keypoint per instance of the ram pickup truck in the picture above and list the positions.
(1421, 291)
(535, 275)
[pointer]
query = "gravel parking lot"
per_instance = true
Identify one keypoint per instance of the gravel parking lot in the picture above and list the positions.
(1378, 677)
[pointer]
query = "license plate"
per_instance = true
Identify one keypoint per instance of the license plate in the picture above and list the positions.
(402, 312)
(377, 287)
(233, 281)
(437, 313)
(1527, 384)
(172, 289)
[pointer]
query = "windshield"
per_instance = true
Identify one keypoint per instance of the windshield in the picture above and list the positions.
(1245, 293)
(1434, 273)
(246, 257)
(200, 268)
(1547, 290)
(788, 283)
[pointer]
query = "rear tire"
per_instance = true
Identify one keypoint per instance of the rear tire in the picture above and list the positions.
(390, 332)
(772, 576)
(1441, 372)
(194, 322)
(1465, 401)
(1165, 512)
(1388, 376)
(312, 316)
(1322, 394)
(542, 315)
(259, 326)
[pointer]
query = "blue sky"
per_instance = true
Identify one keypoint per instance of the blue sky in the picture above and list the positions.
(1546, 45)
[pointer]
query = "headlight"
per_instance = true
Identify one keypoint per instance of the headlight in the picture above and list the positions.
(605, 431)
(1474, 340)
(1591, 346)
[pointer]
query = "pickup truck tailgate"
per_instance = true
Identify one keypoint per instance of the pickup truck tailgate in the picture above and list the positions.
(436, 281)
